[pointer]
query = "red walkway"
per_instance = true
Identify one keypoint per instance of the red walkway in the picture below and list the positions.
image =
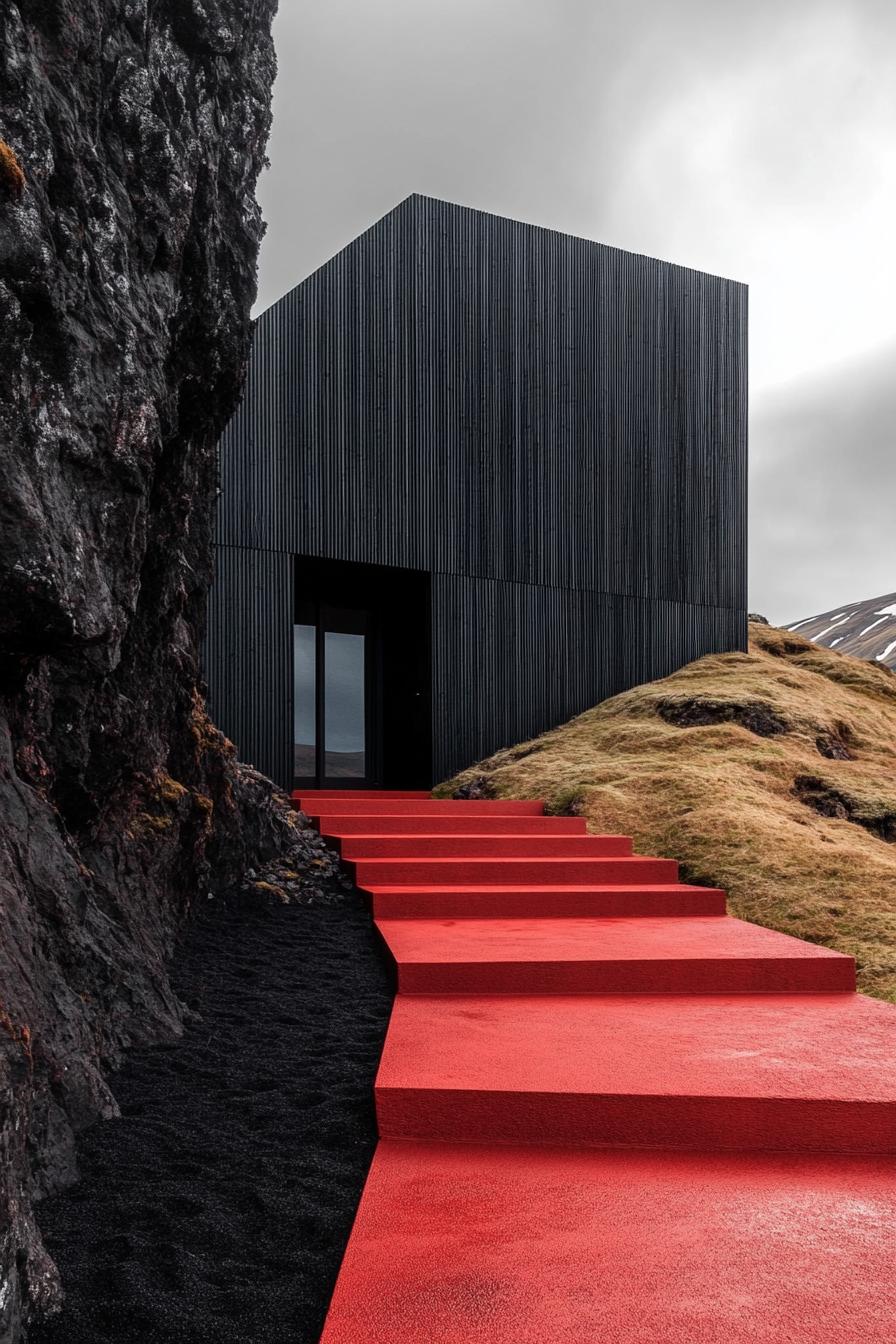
(609, 1112)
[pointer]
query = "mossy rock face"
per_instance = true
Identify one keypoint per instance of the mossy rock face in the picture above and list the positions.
(146, 823)
(168, 790)
(133, 135)
(271, 890)
(12, 174)
(566, 803)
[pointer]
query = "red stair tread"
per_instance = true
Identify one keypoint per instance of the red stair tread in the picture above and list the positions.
(532, 871)
(454, 823)
(834, 1045)
(702, 954)
(484, 846)
(802, 1071)
(561, 900)
(471, 1245)
(423, 807)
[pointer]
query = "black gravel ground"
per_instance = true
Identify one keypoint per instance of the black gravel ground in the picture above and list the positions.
(216, 1210)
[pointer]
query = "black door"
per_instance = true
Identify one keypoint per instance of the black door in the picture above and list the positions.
(335, 707)
(361, 676)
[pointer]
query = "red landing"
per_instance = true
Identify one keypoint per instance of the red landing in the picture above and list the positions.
(552, 991)
(472, 1245)
(785, 1071)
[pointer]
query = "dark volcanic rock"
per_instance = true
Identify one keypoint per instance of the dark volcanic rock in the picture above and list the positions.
(132, 135)
(833, 747)
(702, 711)
(877, 815)
(480, 787)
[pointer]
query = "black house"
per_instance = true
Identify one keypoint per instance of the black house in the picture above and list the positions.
(484, 475)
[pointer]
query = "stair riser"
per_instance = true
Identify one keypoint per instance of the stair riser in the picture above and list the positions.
(339, 826)
(722, 976)
(486, 846)
(524, 905)
(659, 1122)
(505, 872)
(312, 795)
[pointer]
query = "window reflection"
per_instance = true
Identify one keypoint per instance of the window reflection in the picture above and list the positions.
(304, 700)
(344, 705)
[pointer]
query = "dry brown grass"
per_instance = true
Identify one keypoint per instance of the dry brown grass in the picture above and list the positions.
(737, 808)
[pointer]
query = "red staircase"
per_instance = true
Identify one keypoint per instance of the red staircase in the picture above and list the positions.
(609, 1112)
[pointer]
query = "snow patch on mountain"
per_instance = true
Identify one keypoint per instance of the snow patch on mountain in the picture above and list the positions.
(863, 629)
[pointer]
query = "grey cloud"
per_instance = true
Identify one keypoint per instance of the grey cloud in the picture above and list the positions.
(823, 492)
(528, 108)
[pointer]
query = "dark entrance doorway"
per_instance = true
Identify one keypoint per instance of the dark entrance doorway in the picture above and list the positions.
(333, 679)
(361, 712)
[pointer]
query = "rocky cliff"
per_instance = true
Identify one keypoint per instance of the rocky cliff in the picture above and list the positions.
(132, 135)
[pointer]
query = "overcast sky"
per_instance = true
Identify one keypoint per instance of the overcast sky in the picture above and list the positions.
(756, 141)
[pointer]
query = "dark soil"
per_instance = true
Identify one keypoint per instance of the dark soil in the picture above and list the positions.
(217, 1208)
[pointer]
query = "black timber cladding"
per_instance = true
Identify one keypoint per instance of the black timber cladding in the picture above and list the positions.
(248, 655)
(554, 429)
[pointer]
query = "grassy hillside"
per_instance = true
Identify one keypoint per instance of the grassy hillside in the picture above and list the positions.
(771, 774)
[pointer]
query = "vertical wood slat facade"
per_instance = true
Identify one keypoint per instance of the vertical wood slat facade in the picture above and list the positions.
(553, 429)
(248, 655)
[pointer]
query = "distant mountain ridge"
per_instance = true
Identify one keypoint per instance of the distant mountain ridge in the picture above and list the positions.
(863, 629)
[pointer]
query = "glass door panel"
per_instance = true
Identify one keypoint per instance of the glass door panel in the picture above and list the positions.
(344, 705)
(334, 673)
(305, 701)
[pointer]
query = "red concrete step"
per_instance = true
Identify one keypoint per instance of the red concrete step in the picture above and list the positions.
(800, 1072)
(518, 902)
(700, 955)
(362, 793)
(454, 824)
(483, 846)
(528, 872)
(472, 1245)
(420, 807)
